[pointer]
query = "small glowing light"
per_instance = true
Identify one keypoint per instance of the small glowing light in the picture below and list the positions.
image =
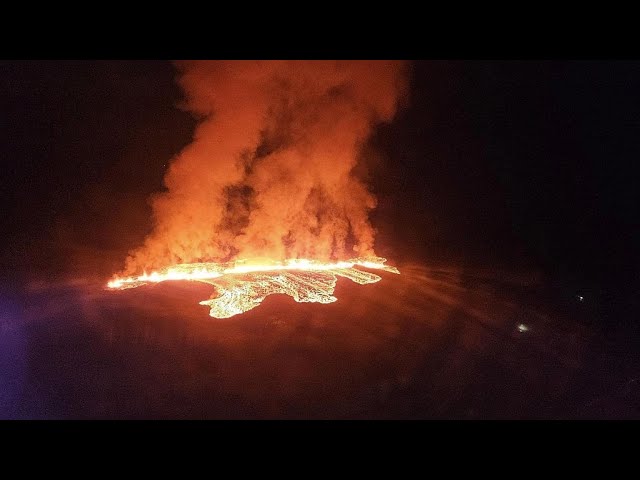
(580, 298)
(523, 328)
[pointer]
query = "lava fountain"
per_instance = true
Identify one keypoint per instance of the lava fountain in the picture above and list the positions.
(275, 170)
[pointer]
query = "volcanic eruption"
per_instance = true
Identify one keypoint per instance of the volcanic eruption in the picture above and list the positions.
(266, 198)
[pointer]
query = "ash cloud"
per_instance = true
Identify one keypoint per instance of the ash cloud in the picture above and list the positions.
(269, 172)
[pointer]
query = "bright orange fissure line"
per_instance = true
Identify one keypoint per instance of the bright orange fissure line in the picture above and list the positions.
(305, 281)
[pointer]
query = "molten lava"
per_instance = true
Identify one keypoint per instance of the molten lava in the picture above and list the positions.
(243, 285)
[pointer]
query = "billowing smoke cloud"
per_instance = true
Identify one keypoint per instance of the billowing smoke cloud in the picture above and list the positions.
(270, 170)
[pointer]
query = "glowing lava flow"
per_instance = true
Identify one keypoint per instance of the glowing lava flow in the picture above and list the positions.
(244, 285)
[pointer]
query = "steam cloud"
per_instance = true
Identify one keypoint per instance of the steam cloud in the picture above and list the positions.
(270, 170)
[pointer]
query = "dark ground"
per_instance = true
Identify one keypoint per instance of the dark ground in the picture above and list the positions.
(496, 171)
(426, 344)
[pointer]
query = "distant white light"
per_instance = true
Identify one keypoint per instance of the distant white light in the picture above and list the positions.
(580, 298)
(523, 328)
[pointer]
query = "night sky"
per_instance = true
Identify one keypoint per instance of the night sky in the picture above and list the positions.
(516, 164)
(528, 167)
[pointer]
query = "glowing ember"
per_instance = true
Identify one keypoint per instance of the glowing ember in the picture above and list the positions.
(244, 285)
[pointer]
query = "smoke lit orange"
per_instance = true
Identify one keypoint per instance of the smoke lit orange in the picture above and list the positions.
(244, 285)
(271, 171)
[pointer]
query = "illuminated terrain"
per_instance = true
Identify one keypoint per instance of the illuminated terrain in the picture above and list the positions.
(243, 285)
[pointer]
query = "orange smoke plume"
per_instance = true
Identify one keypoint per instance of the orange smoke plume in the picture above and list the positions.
(270, 170)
